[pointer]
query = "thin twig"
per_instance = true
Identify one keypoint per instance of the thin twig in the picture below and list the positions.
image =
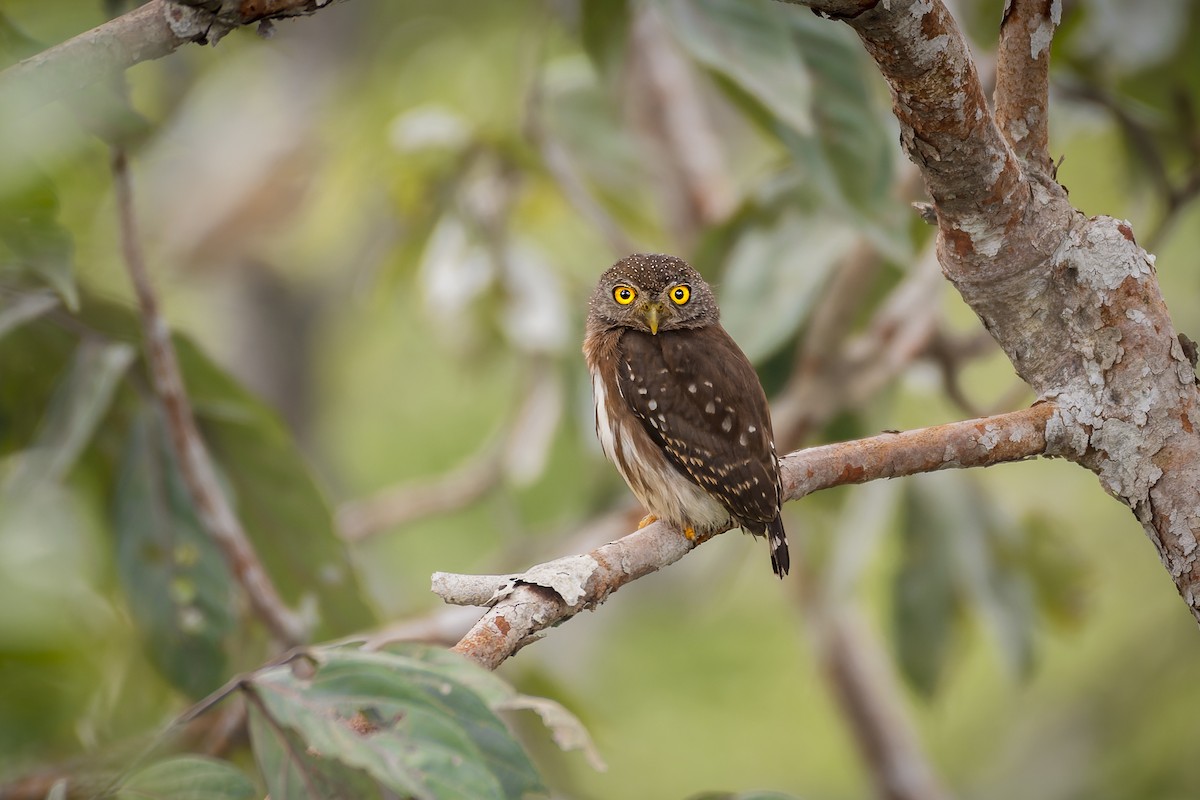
(669, 104)
(561, 167)
(525, 605)
(195, 464)
(865, 689)
(466, 483)
(403, 504)
(950, 355)
(899, 333)
(1176, 193)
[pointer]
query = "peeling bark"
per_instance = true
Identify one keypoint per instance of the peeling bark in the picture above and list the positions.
(1073, 301)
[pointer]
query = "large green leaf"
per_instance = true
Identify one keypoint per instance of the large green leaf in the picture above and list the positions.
(284, 511)
(176, 583)
(31, 237)
(188, 778)
(997, 585)
(774, 274)
(924, 599)
(959, 556)
(807, 82)
(407, 719)
(748, 43)
(852, 147)
(286, 516)
(604, 30)
(293, 771)
(18, 308)
(80, 400)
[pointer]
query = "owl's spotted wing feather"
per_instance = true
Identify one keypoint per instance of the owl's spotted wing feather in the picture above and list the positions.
(697, 396)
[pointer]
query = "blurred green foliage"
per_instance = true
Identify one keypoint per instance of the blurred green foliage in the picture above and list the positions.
(373, 267)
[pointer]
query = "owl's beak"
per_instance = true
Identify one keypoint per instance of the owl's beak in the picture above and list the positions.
(652, 317)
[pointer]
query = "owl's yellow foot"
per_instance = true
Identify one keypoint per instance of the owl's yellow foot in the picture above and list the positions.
(690, 533)
(646, 520)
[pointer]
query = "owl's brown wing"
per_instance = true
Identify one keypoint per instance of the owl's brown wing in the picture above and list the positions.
(696, 394)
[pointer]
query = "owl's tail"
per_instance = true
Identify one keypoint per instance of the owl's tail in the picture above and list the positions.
(777, 540)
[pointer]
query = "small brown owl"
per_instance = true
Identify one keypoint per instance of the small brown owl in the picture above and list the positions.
(679, 408)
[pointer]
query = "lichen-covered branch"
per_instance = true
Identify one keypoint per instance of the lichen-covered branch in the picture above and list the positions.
(148, 32)
(524, 605)
(1072, 300)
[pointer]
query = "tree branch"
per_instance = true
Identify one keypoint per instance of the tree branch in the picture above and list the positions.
(522, 606)
(405, 503)
(209, 501)
(945, 125)
(1023, 77)
(1073, 300)
(562, 169)
(148, 32)
(865, 687)
(683, 148)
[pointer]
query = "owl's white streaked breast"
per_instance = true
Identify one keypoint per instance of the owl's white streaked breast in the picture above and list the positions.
(665, 492)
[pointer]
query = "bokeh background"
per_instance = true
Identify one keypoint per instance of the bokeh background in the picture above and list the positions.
(375, 232)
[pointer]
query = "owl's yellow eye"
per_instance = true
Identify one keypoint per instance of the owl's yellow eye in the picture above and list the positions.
(680, 295)
(624, 295)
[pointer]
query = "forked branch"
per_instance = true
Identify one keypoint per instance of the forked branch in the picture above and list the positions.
(1072, 300)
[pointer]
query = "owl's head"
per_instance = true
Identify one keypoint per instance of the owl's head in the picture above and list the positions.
(651, 293)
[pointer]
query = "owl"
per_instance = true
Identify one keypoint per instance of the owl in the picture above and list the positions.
(679, 408)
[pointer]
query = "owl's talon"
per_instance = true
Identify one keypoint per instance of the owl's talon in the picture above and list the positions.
(690, 533)
(647, 520)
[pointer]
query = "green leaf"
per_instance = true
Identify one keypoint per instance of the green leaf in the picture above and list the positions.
(15, 44)
(748, 43)
(851, 151)
(960, 555)
(994, 581)
(188, 778)
(17, 309)
(32, 238)
(81, 399)
(407, 720)
(924, 600)
(604, 29)
(742, 796)
(1057, 569)
(177, 585)
(286, 516)
(274, 493)
(774, 274)
(294, 772)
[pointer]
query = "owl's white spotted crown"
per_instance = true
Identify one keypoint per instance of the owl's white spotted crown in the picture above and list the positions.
(651, 276)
